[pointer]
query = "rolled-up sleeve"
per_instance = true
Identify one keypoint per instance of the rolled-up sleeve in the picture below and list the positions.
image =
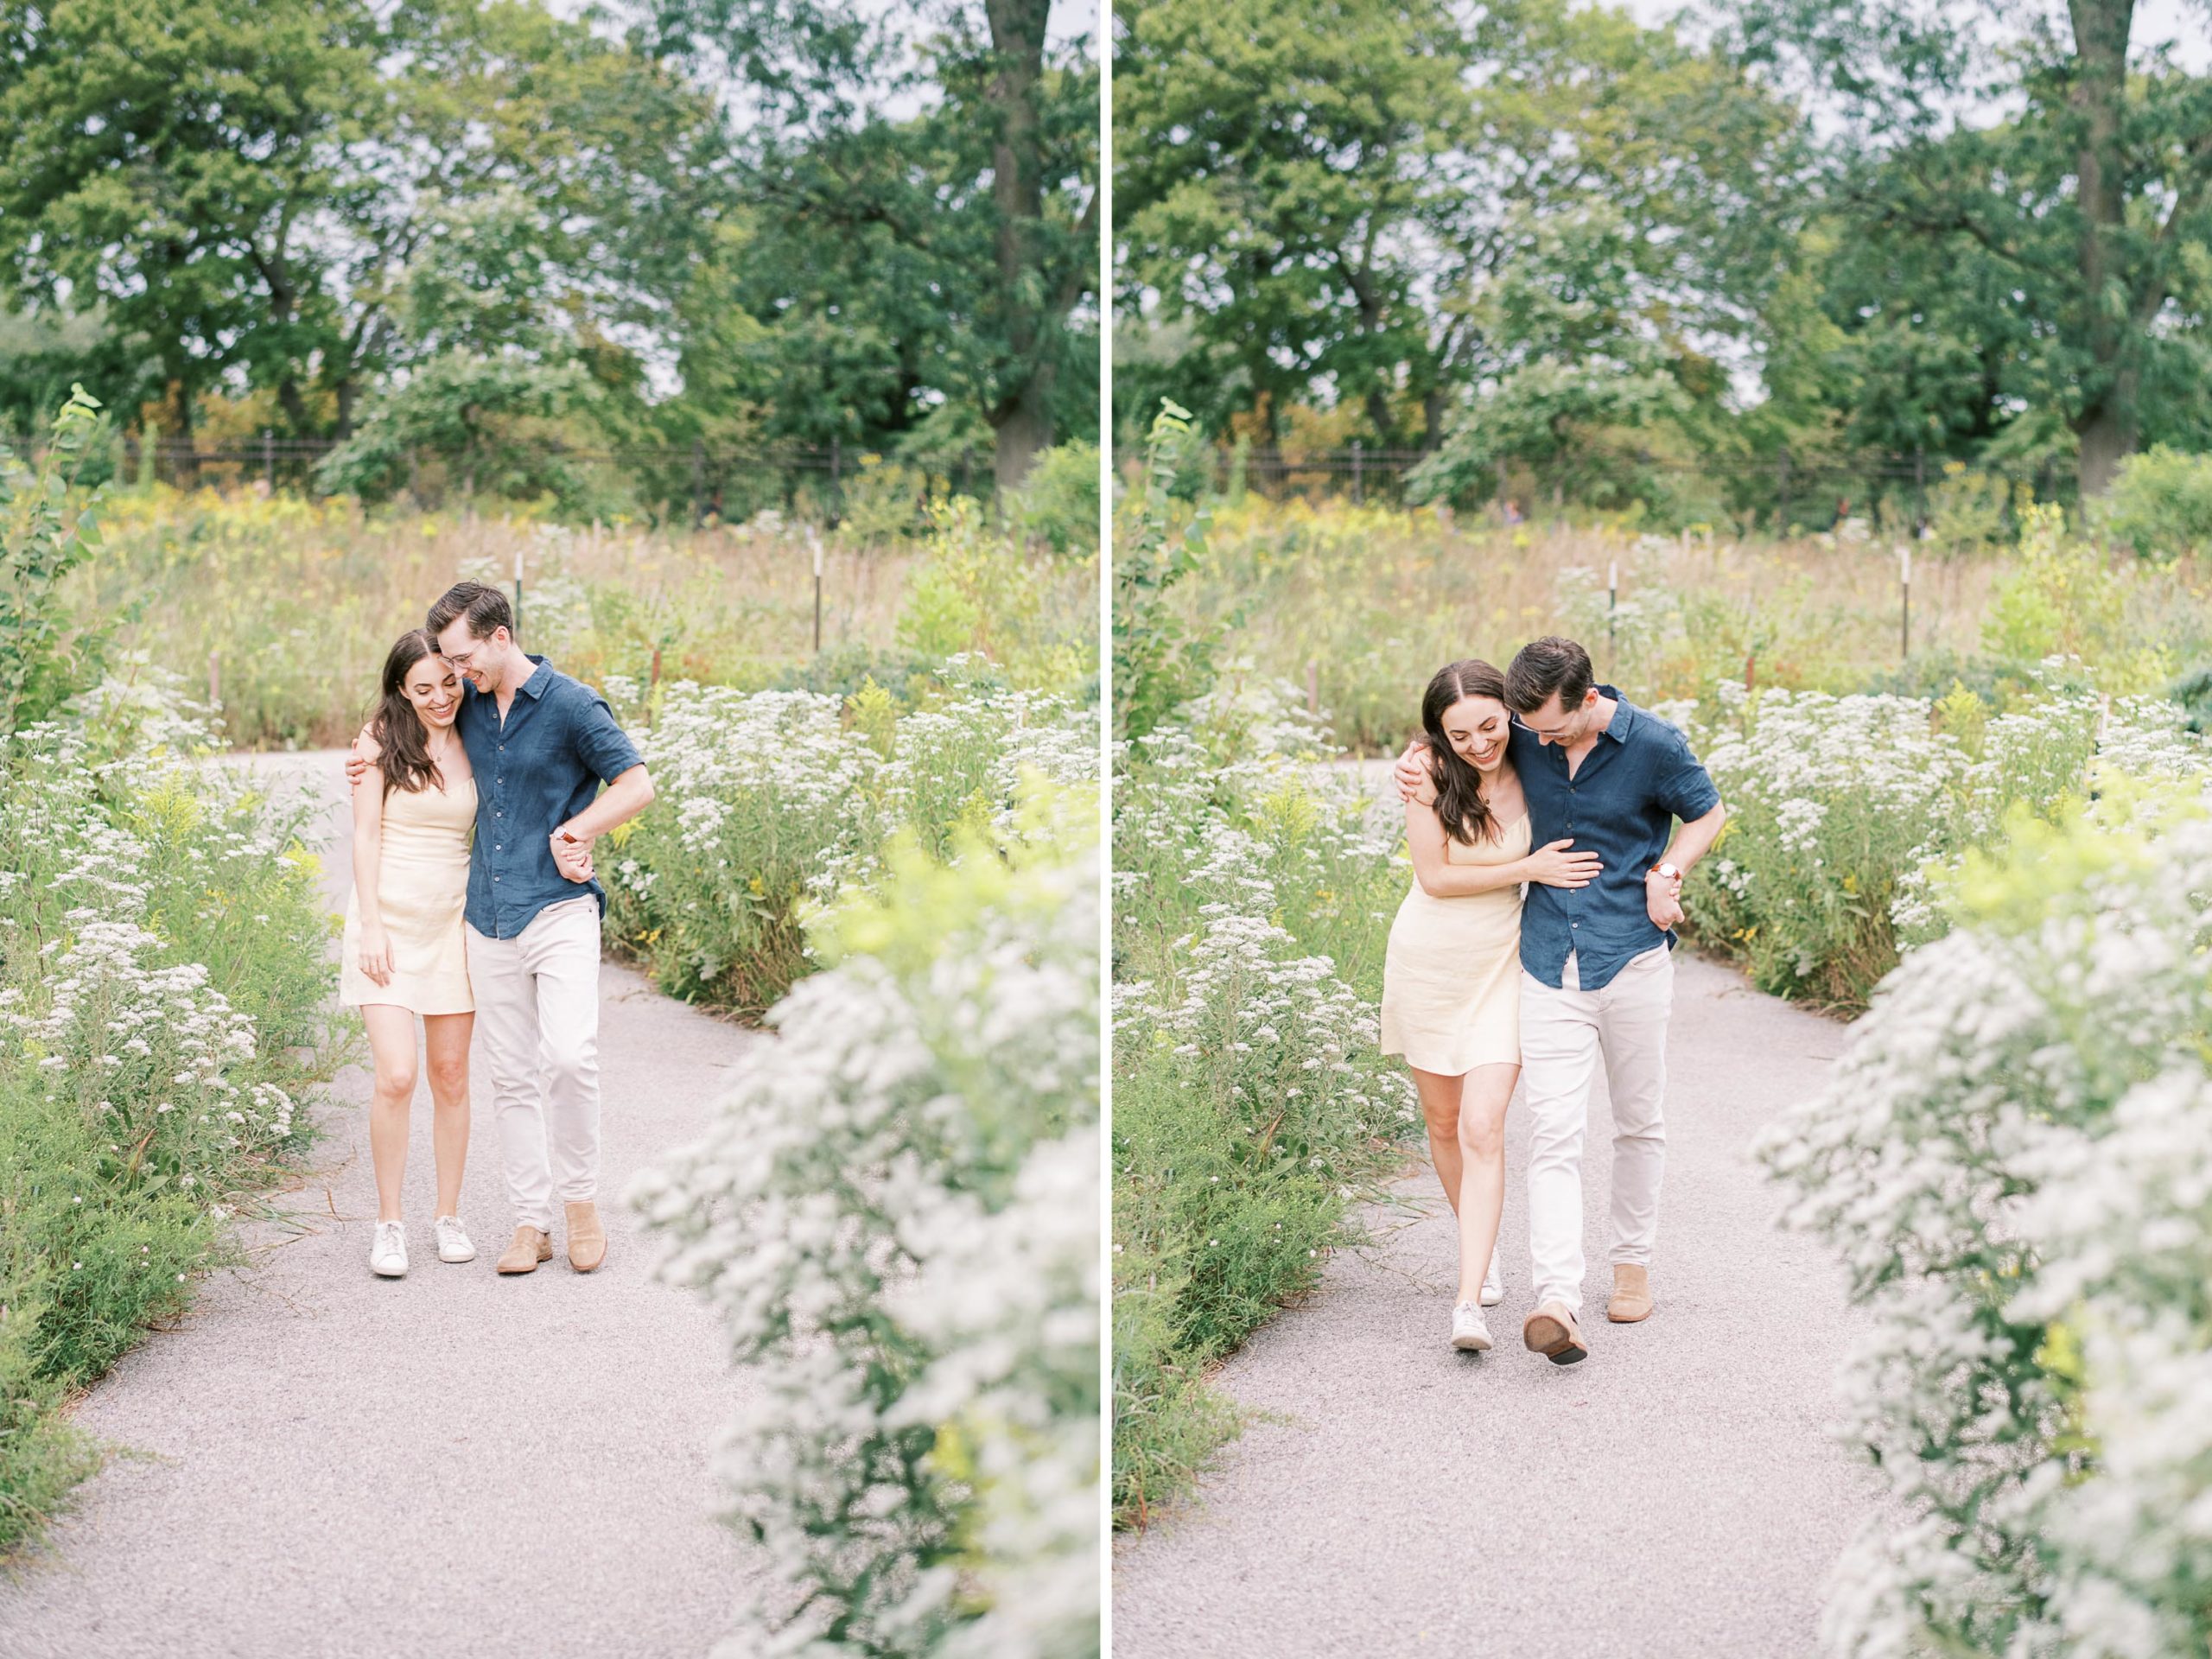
(601, 745)
(1684, 786)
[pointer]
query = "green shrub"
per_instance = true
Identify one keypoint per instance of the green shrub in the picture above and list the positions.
(2012, 1159)
(2160, 504)
(164, 1001)
(895, 1211)
(50, 650)
(1251, 1110)
(768, 800)
(1057, 506)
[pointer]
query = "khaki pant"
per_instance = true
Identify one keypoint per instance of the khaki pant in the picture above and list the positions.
(538, 1012)
(1562, 1033)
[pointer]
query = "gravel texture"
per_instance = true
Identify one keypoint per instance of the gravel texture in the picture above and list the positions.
(1673, 1496)
(321, 1463)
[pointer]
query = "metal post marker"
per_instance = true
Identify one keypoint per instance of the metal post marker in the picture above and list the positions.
(815, 537)
(1904, 618)
(518, 591)
(1612, 605)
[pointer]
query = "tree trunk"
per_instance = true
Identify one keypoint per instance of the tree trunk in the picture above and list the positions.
(1023, 419)
(2106, 425)
(2108, 435)
(295, 407)
(1023, 430)
(176, 427)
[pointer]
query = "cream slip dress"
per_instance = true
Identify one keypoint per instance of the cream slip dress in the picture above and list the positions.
(422, 890)
(1452, 972)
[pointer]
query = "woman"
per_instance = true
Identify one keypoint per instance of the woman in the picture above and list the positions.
(1452, 975)
(414, 812)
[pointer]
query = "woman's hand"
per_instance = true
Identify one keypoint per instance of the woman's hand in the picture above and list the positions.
(1555, 867)
(1662, 900)
(376, 956)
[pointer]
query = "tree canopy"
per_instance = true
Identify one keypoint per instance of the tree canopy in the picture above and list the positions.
(439, 217)
(1544, 236)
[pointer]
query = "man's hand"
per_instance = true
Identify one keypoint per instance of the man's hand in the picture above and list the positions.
(1415, 779)
(570, 856)
(1663, 899)
(357, 765)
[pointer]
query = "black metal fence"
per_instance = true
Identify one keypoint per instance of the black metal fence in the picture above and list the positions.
(672, 481)
(1810, 492)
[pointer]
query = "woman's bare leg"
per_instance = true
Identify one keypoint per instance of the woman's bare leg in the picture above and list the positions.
(1484, 1094)
(445, 1055)
(392, 1048)
(1440, 1107)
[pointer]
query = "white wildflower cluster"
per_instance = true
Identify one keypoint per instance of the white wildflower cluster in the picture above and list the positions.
(1260, 1024)
(150, 1050)
(770, 799)
(895, 1212)
(1248, 714)
(2147, 737)
(962, 762)
(2014, 1160)
(1839, 806)
(103, 847)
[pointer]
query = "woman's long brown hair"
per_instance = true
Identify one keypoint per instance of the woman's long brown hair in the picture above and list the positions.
(1467, 818)
(404, 743)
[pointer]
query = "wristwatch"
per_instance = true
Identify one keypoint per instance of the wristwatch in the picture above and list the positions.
(1672, 871)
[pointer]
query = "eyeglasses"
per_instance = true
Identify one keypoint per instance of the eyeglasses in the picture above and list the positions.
(460, 659)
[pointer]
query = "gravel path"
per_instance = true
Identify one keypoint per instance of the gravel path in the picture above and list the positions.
(321, 1464)
(1673, 1496)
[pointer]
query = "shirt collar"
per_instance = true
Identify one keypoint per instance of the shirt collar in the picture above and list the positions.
(1624, 714)
(534, 687)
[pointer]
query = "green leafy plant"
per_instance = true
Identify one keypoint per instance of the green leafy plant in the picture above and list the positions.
(1160, 658)
(49, 526)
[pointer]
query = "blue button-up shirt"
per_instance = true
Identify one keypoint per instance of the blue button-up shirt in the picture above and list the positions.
(1621, 804)
(535, 771)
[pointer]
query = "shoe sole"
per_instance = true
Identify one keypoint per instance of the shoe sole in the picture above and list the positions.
(1471, 1345)
(1548, 1337)
(1490, 1299)
(456, 1260)
(1627, 1318)
(387, 1273)
(576, 1266)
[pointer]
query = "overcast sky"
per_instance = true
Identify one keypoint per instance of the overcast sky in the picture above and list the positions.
(2180, 21)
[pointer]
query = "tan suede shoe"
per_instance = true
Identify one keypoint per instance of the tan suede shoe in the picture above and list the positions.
(1551, 1332)
(587, 1238)
(530, 1247)
(1632, 1299)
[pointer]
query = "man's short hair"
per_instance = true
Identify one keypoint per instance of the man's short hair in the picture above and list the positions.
(487, 609)
(1545, 666)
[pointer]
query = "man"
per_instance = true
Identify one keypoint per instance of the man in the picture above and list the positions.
(1596, 972)
(540, 745)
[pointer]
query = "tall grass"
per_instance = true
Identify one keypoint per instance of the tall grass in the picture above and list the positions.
(297, 601)
(1371, 600)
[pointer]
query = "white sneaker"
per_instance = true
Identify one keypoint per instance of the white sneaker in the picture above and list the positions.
(388, 1255)
(1469, 1333)
(1493, 1287)
(452, 1240)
